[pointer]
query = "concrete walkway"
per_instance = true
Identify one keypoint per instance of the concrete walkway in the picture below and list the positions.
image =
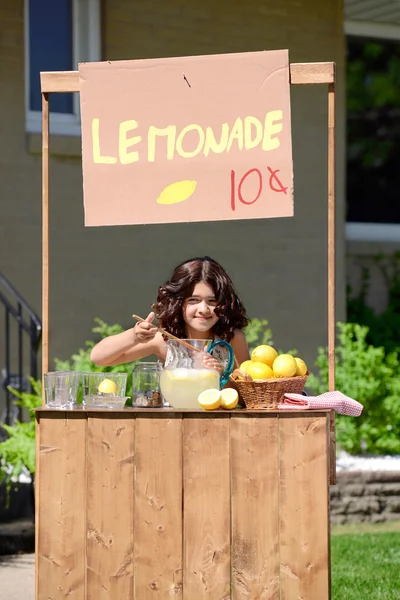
(17, 577)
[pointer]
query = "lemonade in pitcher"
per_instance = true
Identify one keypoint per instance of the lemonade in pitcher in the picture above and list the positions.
(182, 386)
(184, 377)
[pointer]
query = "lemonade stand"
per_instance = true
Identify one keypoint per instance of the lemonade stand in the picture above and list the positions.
(137, 503)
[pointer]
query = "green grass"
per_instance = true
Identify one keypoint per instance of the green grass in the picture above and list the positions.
(366, 562)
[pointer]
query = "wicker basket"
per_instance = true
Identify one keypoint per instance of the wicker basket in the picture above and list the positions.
(267, 393)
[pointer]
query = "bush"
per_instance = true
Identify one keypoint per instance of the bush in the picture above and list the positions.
(257, 332)
(371, 376)
(17, 452)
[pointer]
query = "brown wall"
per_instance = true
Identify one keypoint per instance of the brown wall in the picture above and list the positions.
(279, 266)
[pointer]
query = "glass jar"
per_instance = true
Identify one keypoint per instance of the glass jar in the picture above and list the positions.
(146, 392)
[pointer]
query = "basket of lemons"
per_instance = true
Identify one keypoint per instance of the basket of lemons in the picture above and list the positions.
(263, 381)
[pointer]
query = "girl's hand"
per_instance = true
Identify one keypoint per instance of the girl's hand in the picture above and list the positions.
(144, 331)
(209, 362)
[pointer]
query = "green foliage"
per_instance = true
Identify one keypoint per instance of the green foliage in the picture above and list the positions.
(257, 332)
(372, 376)
(372, 82)
(18, 450)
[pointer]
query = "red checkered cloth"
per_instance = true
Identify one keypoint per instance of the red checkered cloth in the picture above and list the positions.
(335, 400)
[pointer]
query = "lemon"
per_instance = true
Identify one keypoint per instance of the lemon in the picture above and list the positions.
(107, 387)
(244, 365)
(284, 366)
(229, 398)
(301, 367)
(259, 370)
(265, 354)
(210, 399)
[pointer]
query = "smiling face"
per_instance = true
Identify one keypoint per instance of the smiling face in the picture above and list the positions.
(198, 312)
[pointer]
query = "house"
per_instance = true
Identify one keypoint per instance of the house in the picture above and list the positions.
(279, 266)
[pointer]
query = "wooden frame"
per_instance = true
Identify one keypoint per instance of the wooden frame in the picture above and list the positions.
(300, 74)
(94, 466)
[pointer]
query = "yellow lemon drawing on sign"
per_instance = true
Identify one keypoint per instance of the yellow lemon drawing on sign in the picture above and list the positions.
(177, 192)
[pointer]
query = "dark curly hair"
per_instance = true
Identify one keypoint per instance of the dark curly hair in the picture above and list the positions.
(171, 296)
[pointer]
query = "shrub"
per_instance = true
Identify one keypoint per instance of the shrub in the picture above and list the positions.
(17, 452)
(257, 332)
(371, 376)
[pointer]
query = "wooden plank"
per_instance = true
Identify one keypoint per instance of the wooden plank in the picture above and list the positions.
(331, 236)
(79, 408)
(110, 479)
(59, 81)
(45, 239)
(61, 509)
(158, 507)
(206, 489)
(300, 73)
(255, 509)
(331, 271)
(304, 507)
(310, 73)
(332, 449)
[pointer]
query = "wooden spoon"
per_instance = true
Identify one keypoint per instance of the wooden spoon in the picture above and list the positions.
(173, 337)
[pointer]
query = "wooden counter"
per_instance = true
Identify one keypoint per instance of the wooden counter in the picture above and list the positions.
(145, 503)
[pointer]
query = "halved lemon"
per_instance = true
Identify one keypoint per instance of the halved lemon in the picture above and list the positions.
(210, 399)
(229, 398)
(107, 387)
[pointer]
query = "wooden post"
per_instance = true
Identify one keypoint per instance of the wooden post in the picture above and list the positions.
(331, 269)
(45, 237)
(331, 235)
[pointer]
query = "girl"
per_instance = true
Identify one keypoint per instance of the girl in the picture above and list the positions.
(198, 302)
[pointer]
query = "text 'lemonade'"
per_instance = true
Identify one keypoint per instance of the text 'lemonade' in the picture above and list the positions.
(182, 386)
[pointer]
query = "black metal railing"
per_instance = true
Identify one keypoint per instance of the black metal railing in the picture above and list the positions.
(20, 319)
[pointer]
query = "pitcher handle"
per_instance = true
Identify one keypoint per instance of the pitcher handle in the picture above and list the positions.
(231, 359)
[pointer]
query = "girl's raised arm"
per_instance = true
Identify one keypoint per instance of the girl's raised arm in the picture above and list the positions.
(138, 342)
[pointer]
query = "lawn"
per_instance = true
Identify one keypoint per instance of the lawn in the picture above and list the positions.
(366, 562)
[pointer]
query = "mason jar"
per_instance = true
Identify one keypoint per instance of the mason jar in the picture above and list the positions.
(146, 392)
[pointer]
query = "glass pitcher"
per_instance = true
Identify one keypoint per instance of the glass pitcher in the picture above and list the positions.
(184, 377)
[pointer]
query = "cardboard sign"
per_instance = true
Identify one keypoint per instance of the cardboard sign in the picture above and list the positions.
(172, 140)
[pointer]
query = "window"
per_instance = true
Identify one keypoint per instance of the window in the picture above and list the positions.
(373, 134)
(58, 35)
